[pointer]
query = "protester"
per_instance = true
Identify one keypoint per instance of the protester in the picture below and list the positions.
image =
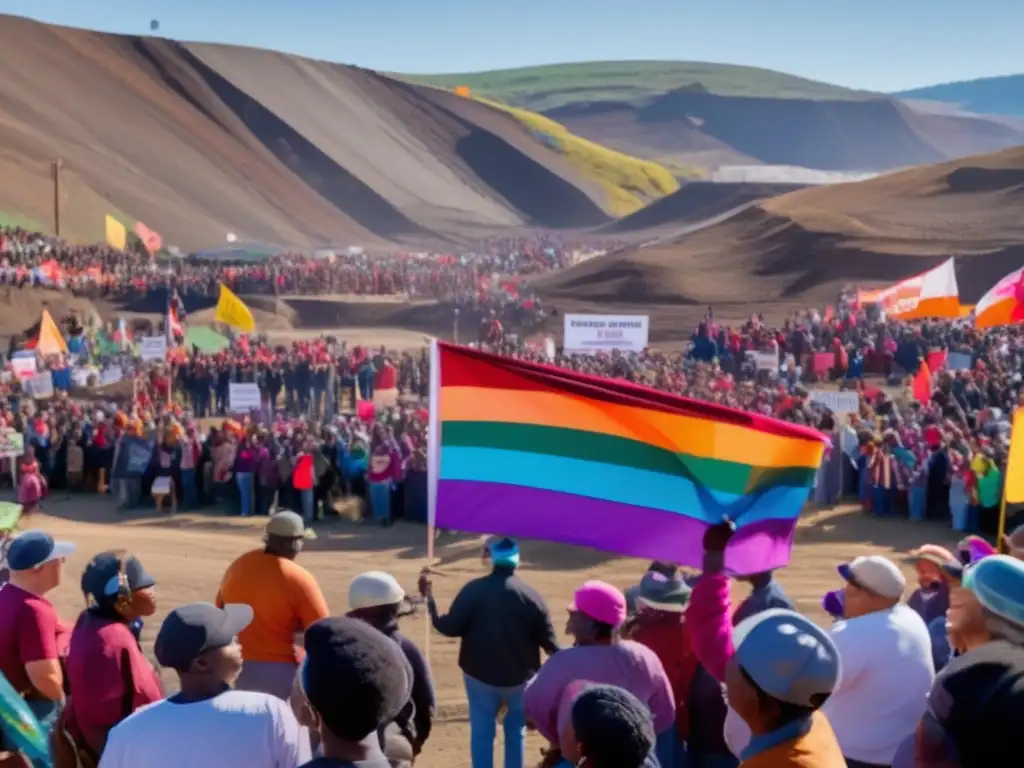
(354, 682)
(285, 599)
(377, 598)
(599, 655)
(783, 671)
(931, 598)
(974, 708)
(660, 625)
(32, 639)
(988, 604)
(887, 664)
(606, 727)
(503, 625)
(207, 723)
(109, 676)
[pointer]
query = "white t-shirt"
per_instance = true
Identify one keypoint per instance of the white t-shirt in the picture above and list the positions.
(886, 676)
(236, 728)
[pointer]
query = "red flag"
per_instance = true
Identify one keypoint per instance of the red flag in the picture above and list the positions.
(922, 388)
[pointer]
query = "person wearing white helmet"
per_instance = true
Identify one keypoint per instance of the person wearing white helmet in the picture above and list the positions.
(378, 599)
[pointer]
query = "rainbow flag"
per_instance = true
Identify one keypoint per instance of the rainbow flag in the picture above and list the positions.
(521, 449)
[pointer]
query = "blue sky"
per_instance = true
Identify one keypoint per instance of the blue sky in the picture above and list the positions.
(872, 44)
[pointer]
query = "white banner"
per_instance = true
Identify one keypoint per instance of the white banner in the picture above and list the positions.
(243, 397)
(603, 333)
(24, 366)
(153, 348)
(764, 361)
(837, 402)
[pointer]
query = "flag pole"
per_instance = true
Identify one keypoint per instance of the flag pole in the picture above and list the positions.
(433, 466)
(1001, 547)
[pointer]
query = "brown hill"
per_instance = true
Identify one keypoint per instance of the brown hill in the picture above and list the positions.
(200, 140)
(800, 248)
(696, 202)
(693, 126)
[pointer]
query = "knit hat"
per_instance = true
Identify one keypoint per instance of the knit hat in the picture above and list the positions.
(355, 677)
(613, 728)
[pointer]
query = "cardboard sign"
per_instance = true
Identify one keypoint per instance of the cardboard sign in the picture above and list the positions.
(40, 385)
(153, 348)
(12, 442)
(837, 402)
(764, 361)
(243, 397)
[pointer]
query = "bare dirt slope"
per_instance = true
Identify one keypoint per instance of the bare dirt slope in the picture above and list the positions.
(692, 126)
(187, 554)
(800, 248)
(197, 141)
(694, 202)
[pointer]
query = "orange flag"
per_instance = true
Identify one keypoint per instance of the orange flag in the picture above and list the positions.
(923, 384)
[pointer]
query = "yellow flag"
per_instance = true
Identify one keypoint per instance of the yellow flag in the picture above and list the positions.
(116, 234)
(1015, 464)
(232, 311)
(51, 341)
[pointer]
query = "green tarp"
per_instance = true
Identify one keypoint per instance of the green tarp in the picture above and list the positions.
(206, 339)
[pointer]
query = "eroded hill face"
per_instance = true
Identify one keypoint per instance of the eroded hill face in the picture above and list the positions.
(692, 126)
(200, 140)
(798, 249)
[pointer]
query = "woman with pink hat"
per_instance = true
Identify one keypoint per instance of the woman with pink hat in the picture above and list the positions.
(600, 656)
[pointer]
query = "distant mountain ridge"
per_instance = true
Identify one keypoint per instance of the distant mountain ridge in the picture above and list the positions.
(705, 116)
(985, 96)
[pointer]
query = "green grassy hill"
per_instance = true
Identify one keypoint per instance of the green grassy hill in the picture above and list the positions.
(556, 85)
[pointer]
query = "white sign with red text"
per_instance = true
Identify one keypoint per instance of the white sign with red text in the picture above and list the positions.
(590, 334)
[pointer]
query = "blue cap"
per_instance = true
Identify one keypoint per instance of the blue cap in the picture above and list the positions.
(998, 583)
(504, 552)
(101, 577)
(34, 548)
(788, 656)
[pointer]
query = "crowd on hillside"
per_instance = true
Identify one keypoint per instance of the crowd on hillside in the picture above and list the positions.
(495, 266)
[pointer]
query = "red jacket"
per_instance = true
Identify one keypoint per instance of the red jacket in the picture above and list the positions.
(667, 634)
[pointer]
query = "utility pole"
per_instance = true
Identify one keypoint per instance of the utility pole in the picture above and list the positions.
(57, 164)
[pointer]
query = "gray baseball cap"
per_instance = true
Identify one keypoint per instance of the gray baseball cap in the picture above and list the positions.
(788, 656)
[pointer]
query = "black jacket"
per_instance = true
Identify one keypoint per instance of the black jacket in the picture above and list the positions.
(503, 623)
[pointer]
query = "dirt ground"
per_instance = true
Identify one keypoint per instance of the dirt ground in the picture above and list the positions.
(188, 553)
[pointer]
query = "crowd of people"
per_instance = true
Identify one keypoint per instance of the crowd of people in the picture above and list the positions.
(495, 265)
(668, 673)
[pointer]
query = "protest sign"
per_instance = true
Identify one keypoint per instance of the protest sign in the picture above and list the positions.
(590, 334)
(764, 361)
(111, 375)
(40, 385)
(24, 365)
(823, 362)
(133, 457)
(243, 397)
(12, 442)
(958, 361)
(153, 348)
(837, 402)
